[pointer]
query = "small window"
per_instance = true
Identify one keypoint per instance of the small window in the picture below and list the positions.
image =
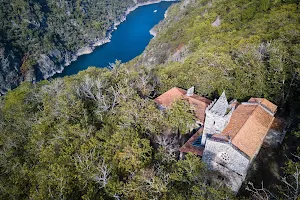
(224, 157)
(221, 178)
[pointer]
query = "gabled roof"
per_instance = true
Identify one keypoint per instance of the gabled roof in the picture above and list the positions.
(268, 104)
(189, 147)
(167, 98)
(199, 103)
(248, 126)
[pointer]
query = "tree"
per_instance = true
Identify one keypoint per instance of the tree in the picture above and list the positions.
(290, 184)
(134, 156)
(289, 187)
(180, 117)
(168, 148)
(148, 184)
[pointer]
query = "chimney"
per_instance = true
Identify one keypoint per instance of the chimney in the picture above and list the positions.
(190, 91)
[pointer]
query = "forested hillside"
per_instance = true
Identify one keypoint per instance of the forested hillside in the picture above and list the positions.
(99, 135)
(38, 38)
(249, 48)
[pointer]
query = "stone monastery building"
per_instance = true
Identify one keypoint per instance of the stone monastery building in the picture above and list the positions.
(230, 134)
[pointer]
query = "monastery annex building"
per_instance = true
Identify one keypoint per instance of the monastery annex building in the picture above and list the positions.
(230, 134)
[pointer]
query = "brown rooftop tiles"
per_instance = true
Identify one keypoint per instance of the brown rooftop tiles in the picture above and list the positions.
(189, 147)
(199, 103)
(167, 98)
(272, 107)
(247, 128)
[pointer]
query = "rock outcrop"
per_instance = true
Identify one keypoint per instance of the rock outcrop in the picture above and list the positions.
(10, 75)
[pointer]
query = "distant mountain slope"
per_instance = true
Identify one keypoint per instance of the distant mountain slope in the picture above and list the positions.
(249, 48)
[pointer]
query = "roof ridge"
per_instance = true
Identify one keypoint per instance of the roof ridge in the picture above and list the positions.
(243, 123)
(197, 99)
(268, 128)
(265, 104)
(265, 110)
(251, 116)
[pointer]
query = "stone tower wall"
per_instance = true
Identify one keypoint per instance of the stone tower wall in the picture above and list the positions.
(214, 123)
(233, 169)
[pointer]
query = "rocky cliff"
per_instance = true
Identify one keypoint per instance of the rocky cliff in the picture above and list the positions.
(49, 35)
(10, 75)
(160, 50)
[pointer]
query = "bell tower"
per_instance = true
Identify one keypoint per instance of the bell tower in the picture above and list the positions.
(218, 115)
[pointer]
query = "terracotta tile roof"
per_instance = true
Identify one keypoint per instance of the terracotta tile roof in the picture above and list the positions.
(167, 98)
(199, 103)
(199, 106)
(247, 128)
(189, 147)
(272, 107)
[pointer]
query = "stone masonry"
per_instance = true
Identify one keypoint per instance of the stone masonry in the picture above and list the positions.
(218, 115)
(232, 135)
(228, 161)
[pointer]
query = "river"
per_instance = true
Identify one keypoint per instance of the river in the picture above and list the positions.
(128, 41)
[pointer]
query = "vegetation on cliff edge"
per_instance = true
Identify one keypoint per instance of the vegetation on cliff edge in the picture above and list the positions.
(99, 135)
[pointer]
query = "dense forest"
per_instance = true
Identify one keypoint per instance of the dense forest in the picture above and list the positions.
(38, 38)
(99, 135)
(253, 50)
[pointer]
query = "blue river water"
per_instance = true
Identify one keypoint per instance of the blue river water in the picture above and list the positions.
(127, 42)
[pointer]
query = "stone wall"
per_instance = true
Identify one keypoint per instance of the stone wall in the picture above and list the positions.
(228, 161)
(217, 117)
